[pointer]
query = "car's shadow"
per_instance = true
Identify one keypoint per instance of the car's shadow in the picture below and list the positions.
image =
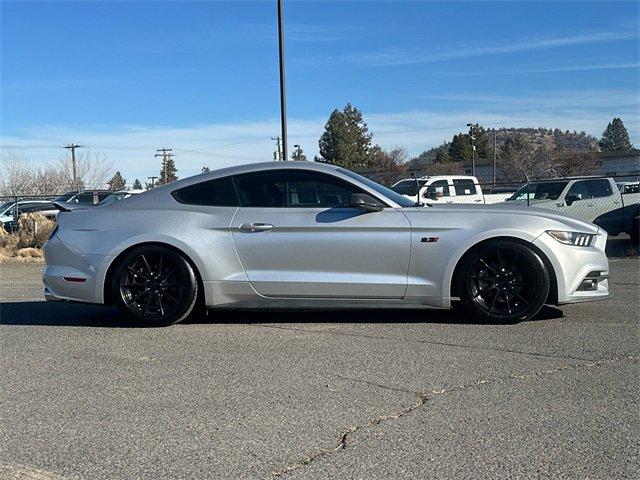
(80, 315)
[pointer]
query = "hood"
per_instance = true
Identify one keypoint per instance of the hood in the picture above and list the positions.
(572, 223)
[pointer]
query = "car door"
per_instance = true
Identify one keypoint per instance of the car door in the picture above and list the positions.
(466, 191)
(296, 236)
(577, 202)
(437, 192)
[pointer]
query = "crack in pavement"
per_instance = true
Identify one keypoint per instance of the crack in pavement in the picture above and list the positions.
(426, 342)
(422, 397)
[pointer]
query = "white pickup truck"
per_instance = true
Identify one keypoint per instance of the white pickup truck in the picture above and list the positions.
(596, 200)
(447, 189)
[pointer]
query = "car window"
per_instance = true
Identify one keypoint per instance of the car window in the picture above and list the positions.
(84, 198)
(599, 188)
(102, 196)
(408, 187)
(439, 188)
(293, 189)
(215, 193)
(464, 187)
(540, 191)
(579, 190)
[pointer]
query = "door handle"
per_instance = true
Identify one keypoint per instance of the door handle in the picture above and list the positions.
(255, 227)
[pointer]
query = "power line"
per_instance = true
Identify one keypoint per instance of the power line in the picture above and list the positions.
(166, 155)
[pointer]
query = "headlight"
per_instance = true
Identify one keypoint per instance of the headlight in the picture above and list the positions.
(572, 238)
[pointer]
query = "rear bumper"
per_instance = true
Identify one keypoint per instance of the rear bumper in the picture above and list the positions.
(72, 276)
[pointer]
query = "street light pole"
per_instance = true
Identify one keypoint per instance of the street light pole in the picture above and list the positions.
(495, 144)
(473, 149)
(283, 95)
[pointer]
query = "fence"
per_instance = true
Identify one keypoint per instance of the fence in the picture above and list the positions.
(612, 202)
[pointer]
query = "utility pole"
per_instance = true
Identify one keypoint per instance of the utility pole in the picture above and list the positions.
(73, 147)
(283, 94)
(277, 155)
(153, 181)
(298, 151)
(166, 155)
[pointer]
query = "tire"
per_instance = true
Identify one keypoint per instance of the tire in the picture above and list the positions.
(502, 281)
(154, 286)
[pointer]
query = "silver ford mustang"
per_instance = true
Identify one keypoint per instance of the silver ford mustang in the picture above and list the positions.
(307, 234)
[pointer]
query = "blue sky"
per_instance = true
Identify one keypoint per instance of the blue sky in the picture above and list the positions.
(125, 78)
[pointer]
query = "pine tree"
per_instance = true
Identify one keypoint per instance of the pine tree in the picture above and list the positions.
(460, 148)
(117, 182)
(615, 137)
(346, 140)
(137, 185)
(171, 170)
(442, 157)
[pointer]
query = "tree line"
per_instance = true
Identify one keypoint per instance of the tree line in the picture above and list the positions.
(520, 154)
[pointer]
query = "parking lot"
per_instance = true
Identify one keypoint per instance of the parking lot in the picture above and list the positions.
(330, 394)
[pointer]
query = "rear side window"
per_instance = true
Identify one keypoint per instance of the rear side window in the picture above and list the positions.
(464, 187)
(599, 188)
(214, 193)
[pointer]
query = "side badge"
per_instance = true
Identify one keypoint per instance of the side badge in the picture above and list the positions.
(429, 239)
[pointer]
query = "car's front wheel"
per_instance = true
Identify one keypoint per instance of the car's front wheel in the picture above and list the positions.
(155, 286)
(503, 281)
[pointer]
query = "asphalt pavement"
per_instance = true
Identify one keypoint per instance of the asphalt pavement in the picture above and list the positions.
(327, 394)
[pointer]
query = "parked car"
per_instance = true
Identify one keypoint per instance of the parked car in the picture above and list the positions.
(499, 193)
(596, 200)
(11, 211)
(291, 234)
(446, 189)
(121, 195)
(83, 196)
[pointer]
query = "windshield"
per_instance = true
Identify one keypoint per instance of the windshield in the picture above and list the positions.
(114, 197)
(5, 206)
(539, 191)
(407, 187)
(387, 192)
(64, 198)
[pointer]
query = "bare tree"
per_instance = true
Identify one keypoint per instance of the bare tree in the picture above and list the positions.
(577, 163)
(390, 165)
(93, 170)
(16, 176)
(445, 168)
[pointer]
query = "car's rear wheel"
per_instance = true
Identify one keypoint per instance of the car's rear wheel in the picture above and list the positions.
(155, 286)
(503, 282)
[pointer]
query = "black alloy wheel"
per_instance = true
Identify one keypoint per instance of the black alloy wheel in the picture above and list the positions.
(503, 281)
(155, 286)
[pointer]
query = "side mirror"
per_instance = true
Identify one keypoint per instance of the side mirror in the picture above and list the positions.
(569, 199)
(365, 202)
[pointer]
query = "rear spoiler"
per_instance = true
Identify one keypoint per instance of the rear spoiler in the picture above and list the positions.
(71, 206)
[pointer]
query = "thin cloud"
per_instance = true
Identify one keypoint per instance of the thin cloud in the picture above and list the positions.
(550, 69)
(395, 56)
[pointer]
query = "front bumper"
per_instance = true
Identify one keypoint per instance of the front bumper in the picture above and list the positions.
(581, 272)
(70, 275)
